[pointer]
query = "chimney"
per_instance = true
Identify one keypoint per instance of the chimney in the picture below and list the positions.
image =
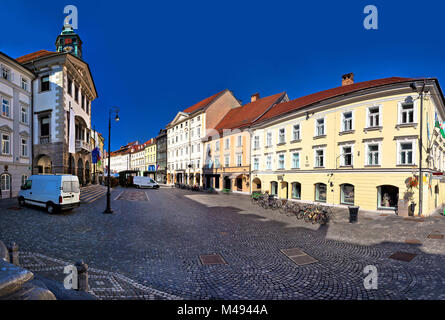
(254, 97)
(347, 79)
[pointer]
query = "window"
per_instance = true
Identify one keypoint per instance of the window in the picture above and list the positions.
(374, 117)
(296, 190)
(269, 162)
(346, 156)
(24, 179)
(319, 158)
(82, 98)
(256, 142)
(320, 192)
(281, 161)
(373, 154)
(198, 132)
(296, 132)
(216, 163)
(239, 141)
(282, 136)
(5, 182)
(226, 161)
(406, 153)
(76, 93)
(227, 144)
(319, 127)
(6, 144)
(347, 121)
(347, 194)
(6, 111)
(217, 146)
(387, 197)
(25, 84)
(44, 83)
(256, 164)
(69, 88)
(6, 73)
(269, 139)
(274, 188)
(407, 113)
(295, 160)
(239, 160)
(24, 147)
(24, 115)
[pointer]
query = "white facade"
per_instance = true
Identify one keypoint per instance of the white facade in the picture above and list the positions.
(120, 162)
(137, 159)
(15, 126)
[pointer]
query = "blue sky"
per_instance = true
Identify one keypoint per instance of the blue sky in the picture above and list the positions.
(153, 59)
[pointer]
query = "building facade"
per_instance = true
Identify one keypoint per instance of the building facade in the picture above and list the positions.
(227, 151)
(62, 96)
(184, 136)
(15, 126)
(357, 144)
(120, 160)
(137, 158)
(150, 158)
(161, 156)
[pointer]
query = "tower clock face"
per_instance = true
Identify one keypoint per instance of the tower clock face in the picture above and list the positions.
(68, 48)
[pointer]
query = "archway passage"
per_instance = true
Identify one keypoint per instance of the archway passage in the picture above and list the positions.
(256, 185)
(43, 165)
(227, 183)
(80, 171)
(239, 183)
(71, 165)
(87, 172)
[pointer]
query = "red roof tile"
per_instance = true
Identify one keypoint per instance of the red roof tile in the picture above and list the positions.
(35, 55)
(308, 100)
(204, 103)
(243, 116)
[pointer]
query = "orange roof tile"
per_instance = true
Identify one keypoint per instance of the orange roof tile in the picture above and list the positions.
(35, 55)
(311, 99)
(203, 103)
(245, 115)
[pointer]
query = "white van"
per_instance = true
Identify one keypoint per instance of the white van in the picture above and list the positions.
(53, 192)
(145, 182)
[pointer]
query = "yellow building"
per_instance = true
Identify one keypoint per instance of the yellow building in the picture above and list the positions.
(357, 144)
(227, 150)
(150, 158)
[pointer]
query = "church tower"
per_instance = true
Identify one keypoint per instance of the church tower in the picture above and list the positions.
(69, 41)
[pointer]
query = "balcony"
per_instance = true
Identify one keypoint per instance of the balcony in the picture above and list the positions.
(82, 146)
(45, 139)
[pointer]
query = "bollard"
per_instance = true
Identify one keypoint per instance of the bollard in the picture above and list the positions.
(14, 254)
(82, 276)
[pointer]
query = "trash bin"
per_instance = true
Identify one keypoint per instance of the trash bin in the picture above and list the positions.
(412, 209)
(353, 214)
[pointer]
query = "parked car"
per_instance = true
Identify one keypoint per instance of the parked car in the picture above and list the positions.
(53, 192)
(145, 182)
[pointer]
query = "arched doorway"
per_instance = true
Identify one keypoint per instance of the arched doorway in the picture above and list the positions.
(387, 197)
(256, 185)
(43, 164)
(87, 172)
(239, 183)
(80, 171)
(71, 165)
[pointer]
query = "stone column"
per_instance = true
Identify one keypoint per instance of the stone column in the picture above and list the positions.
(14, 254)
(82, 276)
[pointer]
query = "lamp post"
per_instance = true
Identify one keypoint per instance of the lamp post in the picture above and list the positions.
(421, 92)
(112, 111)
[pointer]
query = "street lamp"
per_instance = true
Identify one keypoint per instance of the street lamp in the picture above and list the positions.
(420, 91)
(113, 110)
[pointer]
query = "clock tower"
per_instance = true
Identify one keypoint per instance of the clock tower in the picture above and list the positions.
(69, 41)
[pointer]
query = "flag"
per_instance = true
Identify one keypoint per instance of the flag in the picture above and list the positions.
(428, 130)
(72, 133)
(95, 155)
(442, 132)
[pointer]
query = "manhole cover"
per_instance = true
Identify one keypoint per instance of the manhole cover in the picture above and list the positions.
(402, 256)
(298, 256)
(413, 219)
(435, 236)
(384, 215)
(211, 259)
(413, 241)
(15, 208)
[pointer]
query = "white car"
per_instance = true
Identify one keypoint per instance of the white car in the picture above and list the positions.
(145, 182)
(53, 192)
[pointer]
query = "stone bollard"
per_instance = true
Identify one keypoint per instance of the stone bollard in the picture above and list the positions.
(82, 276)
(14, 254)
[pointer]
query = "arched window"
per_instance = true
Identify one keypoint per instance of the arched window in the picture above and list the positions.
(320, 192)
(296, 190)
(5, 182)
(274, 188)
(347, 194)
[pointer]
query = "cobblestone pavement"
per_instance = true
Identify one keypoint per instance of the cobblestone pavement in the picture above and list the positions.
(157, 243)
